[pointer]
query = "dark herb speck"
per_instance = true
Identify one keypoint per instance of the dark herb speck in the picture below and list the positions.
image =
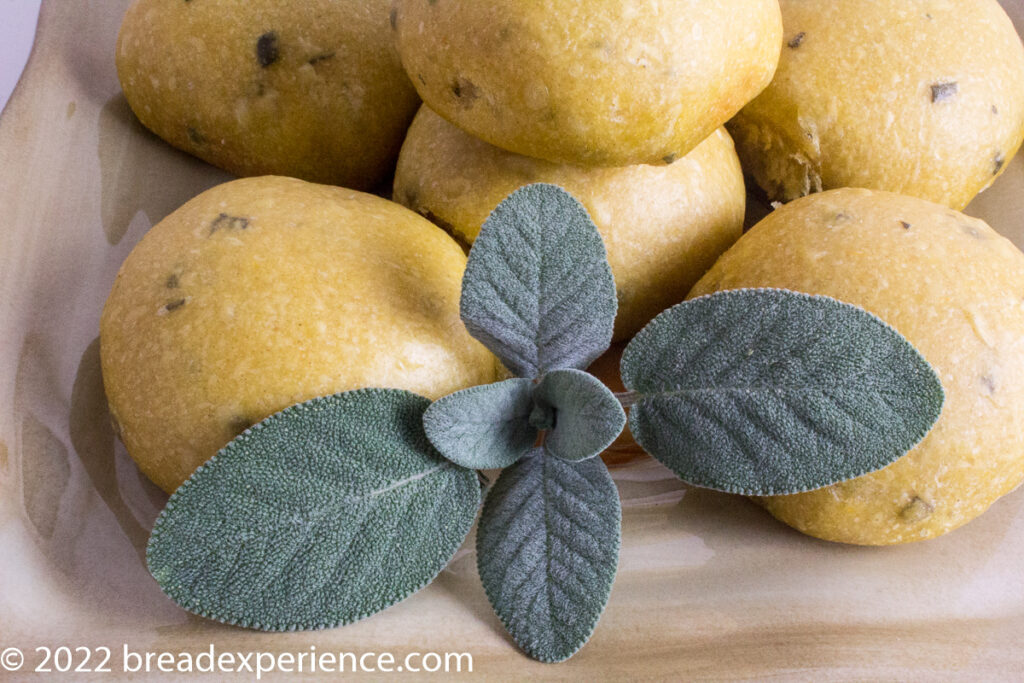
(320, 58)
(266, 49)
(465, 90)
(989, 383)
(917, 510)
(174, 305)
(172, 282)
(669, 158)
(906, 225)
(943, 91)
(228, 222)
(998, 162)
(195, 137)
(797, 39)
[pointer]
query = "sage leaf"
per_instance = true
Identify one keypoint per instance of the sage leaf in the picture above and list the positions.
(538, 290)
(586, 415)
(766, 391)
(483, 427)
(548, 549)
(322, 514)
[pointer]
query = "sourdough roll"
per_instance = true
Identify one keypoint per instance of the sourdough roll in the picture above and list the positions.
(265, 292)
(589, 83)
(309, 89)
(920, 97)
(663, 226)
(955, 289)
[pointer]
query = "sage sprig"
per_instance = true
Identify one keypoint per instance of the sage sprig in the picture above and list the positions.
(548, 549)
(484, 427)
(581, 415)
(538, 290)
(539, 293)
(767, 392)
(320, 515)
(339, 507)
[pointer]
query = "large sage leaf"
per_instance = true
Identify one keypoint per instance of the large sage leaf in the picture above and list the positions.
(583, 415)
(538, 290)
(548, 549)
(322, 514)
(483, 427)
(767, 392)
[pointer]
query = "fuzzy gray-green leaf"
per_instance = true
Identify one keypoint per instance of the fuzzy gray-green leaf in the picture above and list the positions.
(322, 514)
(483, 427)
(766, 392)
(538, 290)
(548, 549)
(587, 416)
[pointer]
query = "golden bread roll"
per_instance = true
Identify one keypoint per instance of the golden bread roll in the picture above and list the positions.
(663, 226)
(919, 97)
(589, 83)
(309, 89)
(955, 289)
(265, 292)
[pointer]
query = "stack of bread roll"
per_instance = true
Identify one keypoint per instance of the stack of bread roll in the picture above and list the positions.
(867, 125)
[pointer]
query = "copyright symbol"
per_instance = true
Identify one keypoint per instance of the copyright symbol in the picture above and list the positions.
(11, 659)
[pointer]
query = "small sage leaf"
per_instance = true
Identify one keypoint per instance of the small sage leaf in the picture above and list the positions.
(322, 514)
(483, 427)
(587, 416)
(767, 392)
(548, 549)
(538, 290)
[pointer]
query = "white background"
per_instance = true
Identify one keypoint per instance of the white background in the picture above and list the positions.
(17, 29)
